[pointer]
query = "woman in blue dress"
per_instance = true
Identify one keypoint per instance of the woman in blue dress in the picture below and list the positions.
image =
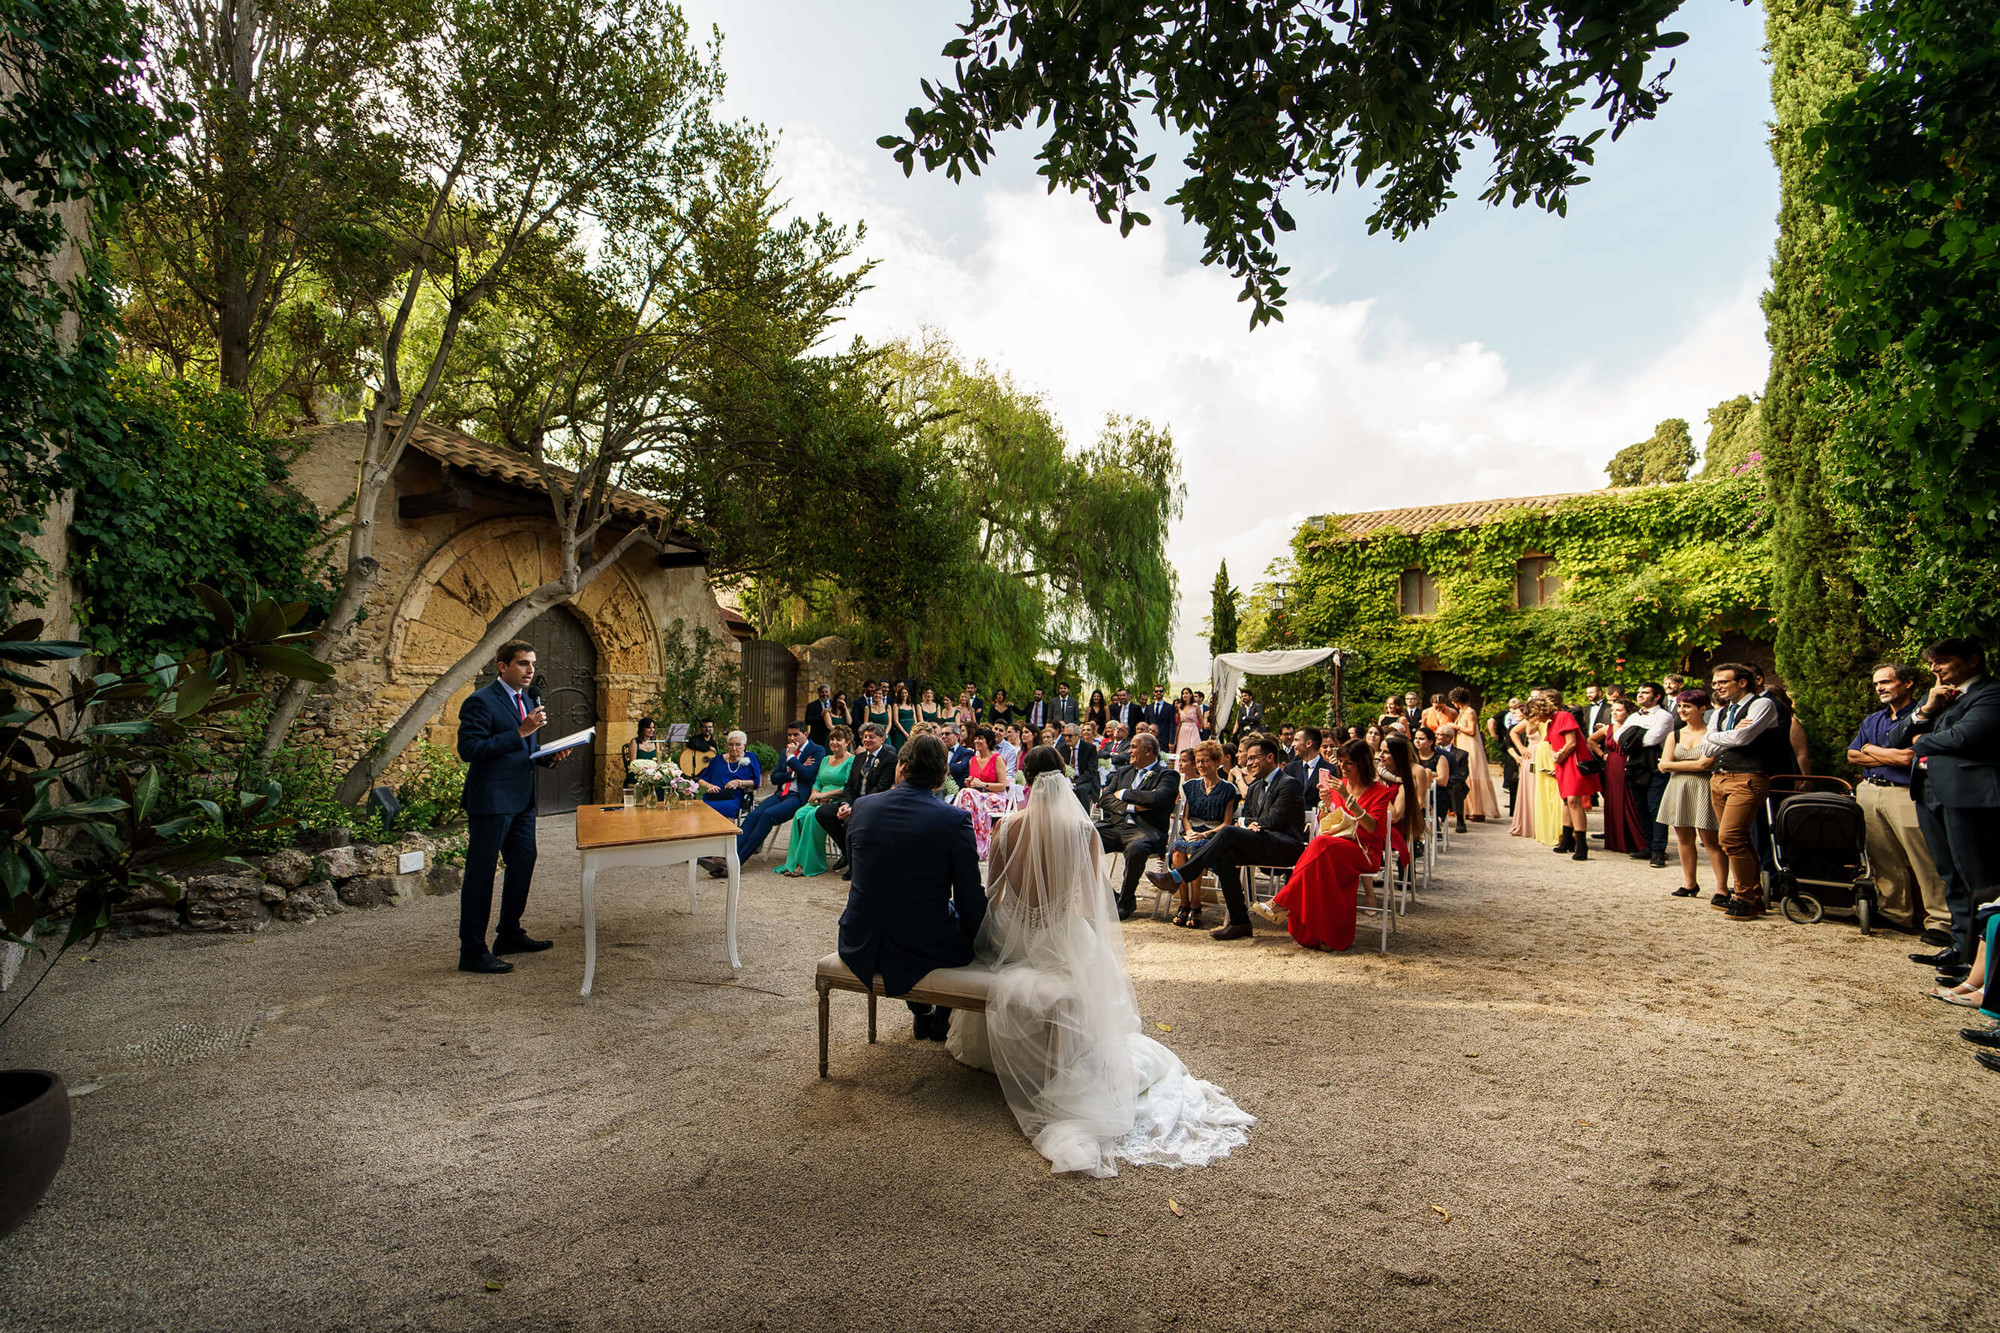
(1208, 801)
(729, 782)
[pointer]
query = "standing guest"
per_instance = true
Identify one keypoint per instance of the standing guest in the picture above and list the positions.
(1454, 772)
(1411, 712)
(1438, 715)
(496, 739)
(842, 712)
(1596, 709)
(1575, 785)
(644, 744)
(1497, 727)
(1207, 715)
(820, 715)
(1479, 800)
(805, 852)
(1065, 706)
(916, 901)
(1269, 833)
(1188, 723)
(1795, 736)
(928, 708)
(1159, 714)
(1954, 738)
(1673, 684)
(857, 715)
(1037, 714)
(1097, 712)
(1121, 709)
(902, 718)
(1078, 751)
(1623, 827)
(1001, 713)
(987, 790)
(1137, 805)
(1909, 894)
(1658, 722)
(967, 712)
(878, 710)
(1750, 741)
(1208, 802)
(792, 779)
(1249, 715)
(1687, 808)
(873, 770)
(729, 781)
(1008, 742)
(1540, 813)
(1317, 902)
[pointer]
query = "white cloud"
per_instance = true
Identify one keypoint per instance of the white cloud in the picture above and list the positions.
(1333, 410)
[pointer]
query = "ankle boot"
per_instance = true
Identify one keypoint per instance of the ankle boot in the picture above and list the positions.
(1582, 852)
(1567, 843)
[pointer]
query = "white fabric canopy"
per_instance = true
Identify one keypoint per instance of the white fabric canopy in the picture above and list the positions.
(1231, 668)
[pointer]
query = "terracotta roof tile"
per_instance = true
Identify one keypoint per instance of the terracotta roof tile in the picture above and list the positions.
(1432, 518)
(463, 451)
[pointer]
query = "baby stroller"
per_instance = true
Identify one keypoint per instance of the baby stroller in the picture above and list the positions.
(1819, 851)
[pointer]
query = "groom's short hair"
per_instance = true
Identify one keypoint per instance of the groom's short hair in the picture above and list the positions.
(922, 762)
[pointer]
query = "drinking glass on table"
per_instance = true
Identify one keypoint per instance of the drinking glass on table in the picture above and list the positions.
(631, 797)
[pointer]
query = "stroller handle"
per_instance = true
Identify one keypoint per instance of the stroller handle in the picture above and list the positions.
(1794, 783)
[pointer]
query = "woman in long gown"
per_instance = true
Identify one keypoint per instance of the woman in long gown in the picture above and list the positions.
(1187, 723)
(1522, 740)
(987, 793)
(1548, 797)
(1317, 901)
(1481, 800)
(805, 854)
(1623, 824)
(902, 718)
(1061, 1027)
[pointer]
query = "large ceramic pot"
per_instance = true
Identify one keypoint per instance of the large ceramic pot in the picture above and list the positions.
(34, 1136)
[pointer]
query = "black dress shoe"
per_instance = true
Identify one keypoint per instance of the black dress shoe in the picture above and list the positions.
(1939, 959)
(1235, 930)
(1127, 906)
(848, 874)
(1951, 976)
(920, 1026)
(521, 944)
(1936, 936)
(1987, 1037)
(1638, 856)
(720, 870)
(1162, 881)
(483, 962)
(1659, 861)
(940, 1024)
(1989, 1059)
(839, 864)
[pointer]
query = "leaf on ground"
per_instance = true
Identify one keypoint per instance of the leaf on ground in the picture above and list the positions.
(1472, 1055)
(1099, 1231)
(1583, 1122)
(1164, 1027)
(493, 1286)
(1439, 1209)
(1175, 1208)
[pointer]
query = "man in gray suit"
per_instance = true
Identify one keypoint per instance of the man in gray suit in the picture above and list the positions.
(1065, 706)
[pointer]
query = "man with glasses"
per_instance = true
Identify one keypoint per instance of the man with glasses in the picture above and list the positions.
(1750, 740)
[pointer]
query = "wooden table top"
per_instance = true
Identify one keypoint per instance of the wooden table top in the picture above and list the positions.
(622, 827)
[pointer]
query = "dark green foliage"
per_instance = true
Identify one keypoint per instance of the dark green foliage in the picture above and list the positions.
(699, 679)
(1735, 436)
(1665, 457)
(181, 488)
(1647, 576)
(76, 145)
(1824, 644)
(1910, 175)
(1285, 93)
(1222, 614)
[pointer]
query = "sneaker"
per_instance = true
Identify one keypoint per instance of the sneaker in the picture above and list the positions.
(1720, 902)
(1740, 911)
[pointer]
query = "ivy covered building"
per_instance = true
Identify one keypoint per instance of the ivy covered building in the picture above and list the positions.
(1506, 595)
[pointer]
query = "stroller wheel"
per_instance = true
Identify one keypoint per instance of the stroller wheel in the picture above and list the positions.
(1864, 912)
(1804, 909)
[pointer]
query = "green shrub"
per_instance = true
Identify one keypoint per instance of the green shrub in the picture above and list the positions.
(431, 795)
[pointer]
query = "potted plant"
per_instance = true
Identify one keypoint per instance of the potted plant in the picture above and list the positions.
(82, 828)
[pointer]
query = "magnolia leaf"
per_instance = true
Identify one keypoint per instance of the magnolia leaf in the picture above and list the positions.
(293, 662)
(219, 607)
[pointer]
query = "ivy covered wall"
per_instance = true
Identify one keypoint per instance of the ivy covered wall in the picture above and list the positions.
(1648, 576)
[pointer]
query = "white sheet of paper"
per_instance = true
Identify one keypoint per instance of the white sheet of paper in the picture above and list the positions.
(569, 742)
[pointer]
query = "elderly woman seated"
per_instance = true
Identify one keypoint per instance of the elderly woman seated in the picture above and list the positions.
(729, 781)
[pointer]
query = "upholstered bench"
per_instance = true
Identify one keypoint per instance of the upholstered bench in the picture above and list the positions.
(962, 988)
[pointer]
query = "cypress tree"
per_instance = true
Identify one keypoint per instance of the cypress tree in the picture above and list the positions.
(1222, 615)
(1824, 645)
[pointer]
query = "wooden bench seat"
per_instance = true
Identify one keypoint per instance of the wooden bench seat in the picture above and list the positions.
(964, 988)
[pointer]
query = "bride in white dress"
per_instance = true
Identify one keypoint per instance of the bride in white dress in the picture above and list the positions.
(1061, 1029)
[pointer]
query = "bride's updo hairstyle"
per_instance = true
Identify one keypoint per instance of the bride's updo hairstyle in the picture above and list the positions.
(921, 762)
(1042, 759)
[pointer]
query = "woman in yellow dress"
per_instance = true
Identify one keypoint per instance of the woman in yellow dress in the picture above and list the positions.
(1548, 801)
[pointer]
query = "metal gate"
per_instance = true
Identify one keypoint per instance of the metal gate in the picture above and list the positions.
(770, 691)
(566, 672)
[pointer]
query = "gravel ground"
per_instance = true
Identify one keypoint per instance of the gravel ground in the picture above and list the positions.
(1565, 1100)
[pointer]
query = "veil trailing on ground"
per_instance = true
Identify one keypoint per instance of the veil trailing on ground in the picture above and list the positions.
(1061, 1028)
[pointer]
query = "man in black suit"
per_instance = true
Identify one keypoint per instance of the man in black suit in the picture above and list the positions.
(915, 902)
(1123, 710)
(1596, 710)
(1064, 713)
(1953, 737)
(1137, 805)
(1306, 761)
(873, 770)
(1038, 715)
(1413, 713)
(1271, 833)
(1248, 718)
(820, 717)
(1079, 754)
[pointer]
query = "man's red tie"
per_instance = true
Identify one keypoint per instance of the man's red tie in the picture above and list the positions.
(521, 702)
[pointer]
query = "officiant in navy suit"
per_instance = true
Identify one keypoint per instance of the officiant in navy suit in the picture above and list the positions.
(496, 736)
(915, 902)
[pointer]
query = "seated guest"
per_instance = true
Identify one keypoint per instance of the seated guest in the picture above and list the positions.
(728, 782)
(702, 742)
(958, 755)
(916, 901)
(1118, 742)
(1399, 767)
(1306, 761)
(987, 790)
(793, 778)
(1270, 832)
(1285, 731)
(1008, 743)
(1208, 802)
(645, 744)
(873, 770)
(1317, 903)
(805, 856)
(1078, 751)
(1136, 806)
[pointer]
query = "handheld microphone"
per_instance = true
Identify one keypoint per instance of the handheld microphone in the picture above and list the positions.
(534, 693)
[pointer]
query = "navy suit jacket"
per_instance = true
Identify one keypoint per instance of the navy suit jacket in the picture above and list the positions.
(501, 779)
(1958, 751)
(801, 768)
(915, 901)
(958, 762)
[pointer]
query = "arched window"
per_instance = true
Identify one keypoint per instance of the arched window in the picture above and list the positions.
(1417, 593)
(1536, 582)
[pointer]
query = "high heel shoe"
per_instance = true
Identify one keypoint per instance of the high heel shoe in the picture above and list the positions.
(1688, 891)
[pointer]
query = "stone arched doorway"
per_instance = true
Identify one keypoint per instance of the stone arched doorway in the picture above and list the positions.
(566, 672)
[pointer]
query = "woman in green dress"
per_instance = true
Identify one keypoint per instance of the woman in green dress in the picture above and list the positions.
(929, 710)
(806, 856)
(879, 711)
(902, 719)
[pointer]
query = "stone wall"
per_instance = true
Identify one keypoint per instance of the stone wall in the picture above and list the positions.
(293, 885)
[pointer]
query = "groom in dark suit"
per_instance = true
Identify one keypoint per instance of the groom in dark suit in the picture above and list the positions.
(1137, 803)
(1271, 833)
(916, 902)
(496, 738)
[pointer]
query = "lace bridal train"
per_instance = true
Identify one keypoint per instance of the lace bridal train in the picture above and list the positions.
(1061, 1028)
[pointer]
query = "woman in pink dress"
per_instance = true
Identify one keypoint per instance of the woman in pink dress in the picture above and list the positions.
(1575, 786)
(1480, 798)
(1187, 728)
(987, 794)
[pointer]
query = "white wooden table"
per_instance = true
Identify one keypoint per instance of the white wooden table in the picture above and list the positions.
(608, 836)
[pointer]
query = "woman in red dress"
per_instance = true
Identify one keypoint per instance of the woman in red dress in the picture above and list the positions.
(1575, 786)
(1624, 819)
(1318, 900)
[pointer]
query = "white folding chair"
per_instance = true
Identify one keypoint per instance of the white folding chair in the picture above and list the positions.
(1385, 881)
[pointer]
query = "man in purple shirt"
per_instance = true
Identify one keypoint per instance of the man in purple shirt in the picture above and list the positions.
(1908, 891)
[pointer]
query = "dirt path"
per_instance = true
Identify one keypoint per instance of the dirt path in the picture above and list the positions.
(1636, 1115)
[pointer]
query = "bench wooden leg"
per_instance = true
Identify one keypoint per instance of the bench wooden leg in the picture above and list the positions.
(871, 1018)
(822, 1028)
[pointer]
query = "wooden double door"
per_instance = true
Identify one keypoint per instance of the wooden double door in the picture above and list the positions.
(566, 673)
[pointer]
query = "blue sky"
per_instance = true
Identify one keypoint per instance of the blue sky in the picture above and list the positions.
(1500, 352)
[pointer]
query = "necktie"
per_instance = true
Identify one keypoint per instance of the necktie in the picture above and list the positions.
(521, 703)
